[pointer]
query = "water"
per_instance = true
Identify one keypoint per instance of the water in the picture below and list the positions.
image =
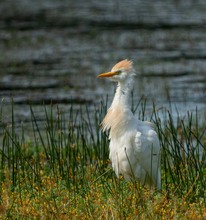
(53, 50)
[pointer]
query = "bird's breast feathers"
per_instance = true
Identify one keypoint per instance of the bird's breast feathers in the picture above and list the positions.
(117, 120)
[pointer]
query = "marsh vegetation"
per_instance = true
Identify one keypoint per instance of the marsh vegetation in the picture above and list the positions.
(65, 173)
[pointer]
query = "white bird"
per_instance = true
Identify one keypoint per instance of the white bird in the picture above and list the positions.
(134, 144)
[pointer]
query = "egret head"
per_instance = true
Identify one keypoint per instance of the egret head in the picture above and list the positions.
(121, 71)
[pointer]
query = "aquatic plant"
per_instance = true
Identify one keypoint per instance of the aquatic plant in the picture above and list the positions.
(64, 172)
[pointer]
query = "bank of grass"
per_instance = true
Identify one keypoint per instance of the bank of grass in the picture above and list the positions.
(64, 173)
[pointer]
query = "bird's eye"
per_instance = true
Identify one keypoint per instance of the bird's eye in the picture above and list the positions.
(118, 72)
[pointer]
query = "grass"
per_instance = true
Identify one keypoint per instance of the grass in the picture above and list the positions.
(64, 173)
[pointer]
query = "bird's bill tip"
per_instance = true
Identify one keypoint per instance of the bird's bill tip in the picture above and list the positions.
(107, 74)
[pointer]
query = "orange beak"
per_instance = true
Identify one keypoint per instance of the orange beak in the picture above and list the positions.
(108, 74)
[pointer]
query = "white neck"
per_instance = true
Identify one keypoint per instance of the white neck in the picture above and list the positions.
(115, 116)
(122, 94)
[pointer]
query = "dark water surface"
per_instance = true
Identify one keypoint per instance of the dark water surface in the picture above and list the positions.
(53, 50)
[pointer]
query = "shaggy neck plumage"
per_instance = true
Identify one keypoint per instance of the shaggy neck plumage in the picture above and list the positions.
(122, 94)
(115, 116)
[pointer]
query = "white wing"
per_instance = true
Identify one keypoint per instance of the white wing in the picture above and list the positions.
(147, 152)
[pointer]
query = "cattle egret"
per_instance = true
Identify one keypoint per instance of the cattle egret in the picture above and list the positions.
(134, 144)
